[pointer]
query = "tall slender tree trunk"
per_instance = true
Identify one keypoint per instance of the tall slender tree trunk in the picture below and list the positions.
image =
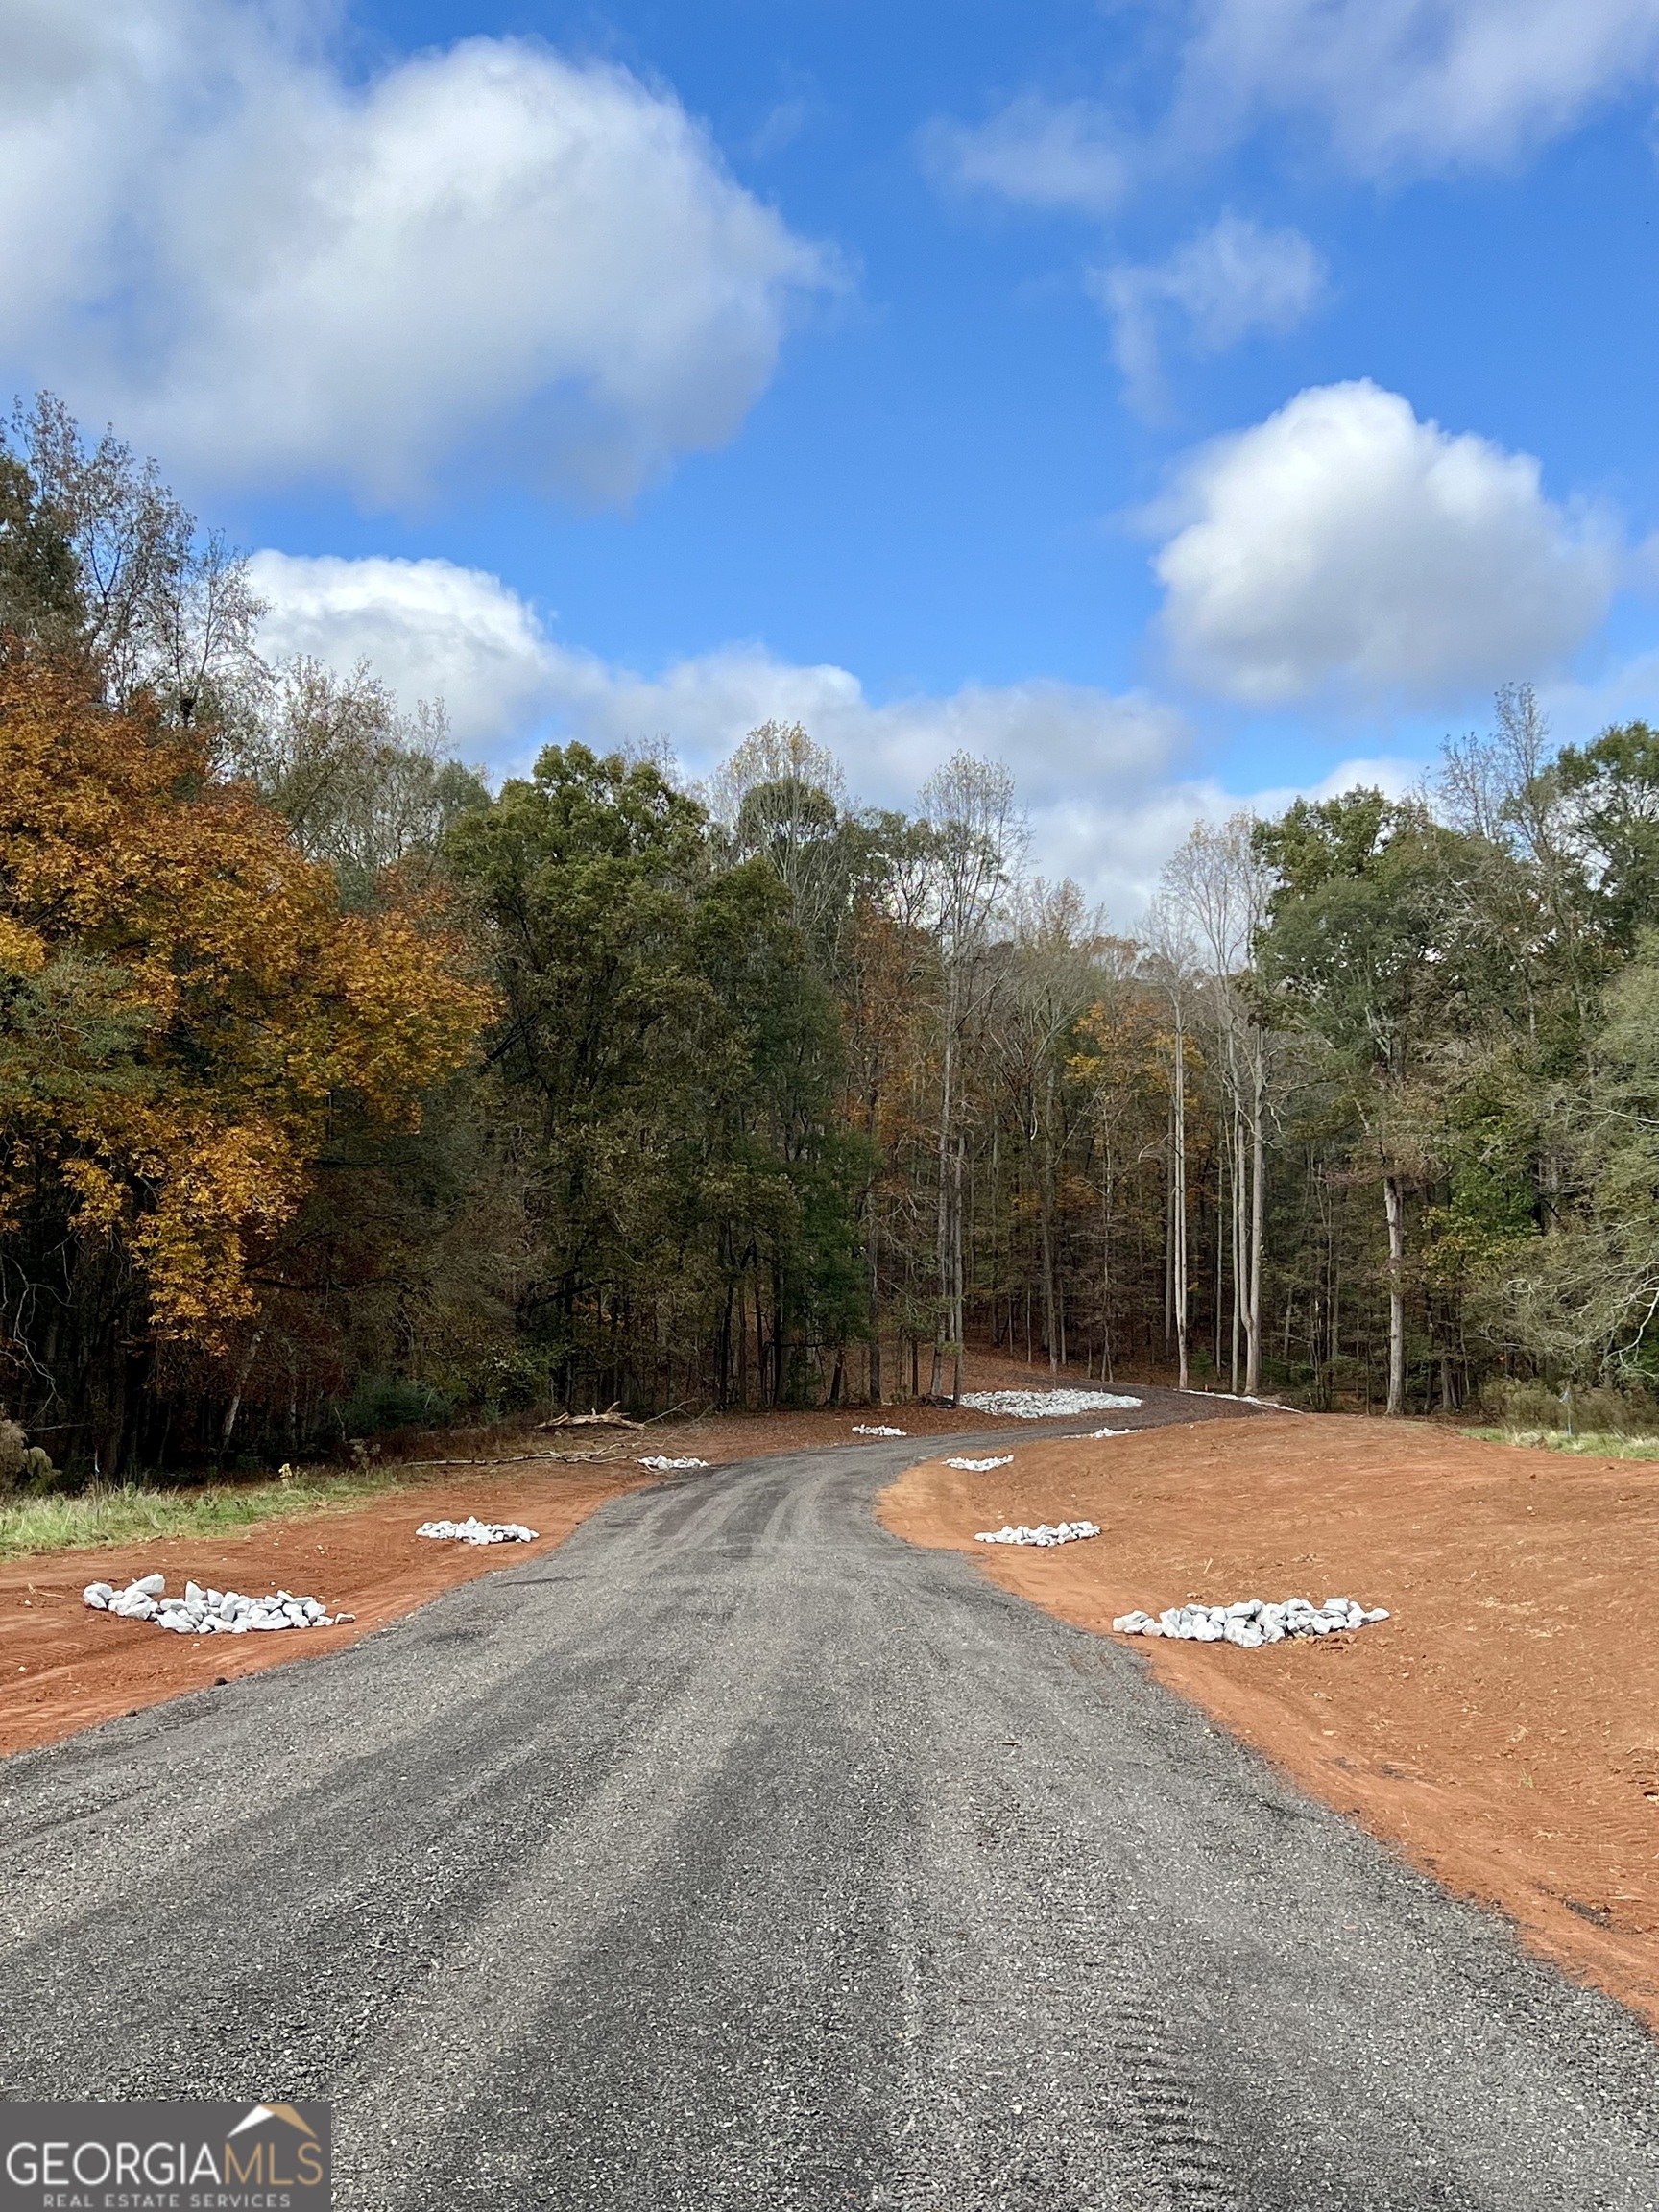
(242, 1374)
(1394, 1206)
(1106, 1268)
(958, 1301)
(1258, 1218)
(1053, 1319)
(949, 1231)
(1240, 1241)
(1046, 1254)
(1179, 1205)
(1169, 1236)
(873, 1252)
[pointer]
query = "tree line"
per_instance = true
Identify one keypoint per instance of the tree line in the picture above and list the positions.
(340, 1092)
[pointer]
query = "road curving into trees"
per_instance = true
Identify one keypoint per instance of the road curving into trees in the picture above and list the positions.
(739, 1855)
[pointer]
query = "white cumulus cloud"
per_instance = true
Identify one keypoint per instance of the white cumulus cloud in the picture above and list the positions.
(1416, 85)
(1345, 543)
(1106, 778)
(1038, 153)
(429, 629)
(269, 271)
(1231, 280)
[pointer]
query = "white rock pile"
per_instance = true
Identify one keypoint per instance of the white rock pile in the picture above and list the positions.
(1249, 1623)
(472, 1531)
(981, 1466)
(208, 1611)
(1044, 1404)
(1059, 1532)
(873, 1428)
(672, 1466)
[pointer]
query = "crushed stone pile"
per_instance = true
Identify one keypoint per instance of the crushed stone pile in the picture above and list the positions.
(1096, 1433)
(208, 1611)
(1045, 1404)
(873, 1428)
(981, 1466)
(1249, 1623)
(1059, 1532)
(664, 1466)
(472, 1531)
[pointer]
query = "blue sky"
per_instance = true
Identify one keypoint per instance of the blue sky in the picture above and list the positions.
(1186, 403)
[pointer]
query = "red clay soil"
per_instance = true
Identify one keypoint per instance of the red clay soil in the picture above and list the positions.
(1502, 1730)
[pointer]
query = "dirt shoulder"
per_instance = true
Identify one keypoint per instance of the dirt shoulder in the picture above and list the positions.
(1502, 1729)
(63, 1667)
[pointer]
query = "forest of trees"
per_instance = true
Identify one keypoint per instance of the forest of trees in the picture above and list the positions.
(340, 1093)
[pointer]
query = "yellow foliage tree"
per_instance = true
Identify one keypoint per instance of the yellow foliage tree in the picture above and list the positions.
(183, 1004)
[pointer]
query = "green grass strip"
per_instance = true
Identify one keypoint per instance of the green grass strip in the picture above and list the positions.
(1595, 1443)
(128, 1513)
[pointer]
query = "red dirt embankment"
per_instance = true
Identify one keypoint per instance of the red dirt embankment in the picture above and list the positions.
(1502, 1729)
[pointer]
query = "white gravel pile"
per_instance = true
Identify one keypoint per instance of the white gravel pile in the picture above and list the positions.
(1094, 1432)
(1061, 1532)
(672, 1466)
(1044, 1404)
(873, 1428)
(1249, 1623)
(472, 1531)
(981, 1466)
(208, 1611)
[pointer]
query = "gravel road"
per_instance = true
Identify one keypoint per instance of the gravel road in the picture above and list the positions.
(737, 1855)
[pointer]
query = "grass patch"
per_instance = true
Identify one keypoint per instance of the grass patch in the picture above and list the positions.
(1593, 1443)
(127, 1513)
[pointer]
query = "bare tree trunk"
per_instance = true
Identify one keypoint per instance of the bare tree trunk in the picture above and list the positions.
(242, 1374)
(1169, 1236)
(1106, 1268)
(1240, 1242)
(958, 1318)
(872, 1249)
(1046, 1248)
(1257, 1216)
(1179, 1205)
(949, 1230)
(1394, 1205)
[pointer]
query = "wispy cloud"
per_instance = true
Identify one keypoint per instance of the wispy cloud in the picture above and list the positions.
(1230, 281)
(1036, 153)
(1413, 86)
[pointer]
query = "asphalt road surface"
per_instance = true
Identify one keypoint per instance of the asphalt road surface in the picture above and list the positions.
(737, 1855)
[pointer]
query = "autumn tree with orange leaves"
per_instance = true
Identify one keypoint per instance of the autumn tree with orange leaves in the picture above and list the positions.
(186, 1011)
